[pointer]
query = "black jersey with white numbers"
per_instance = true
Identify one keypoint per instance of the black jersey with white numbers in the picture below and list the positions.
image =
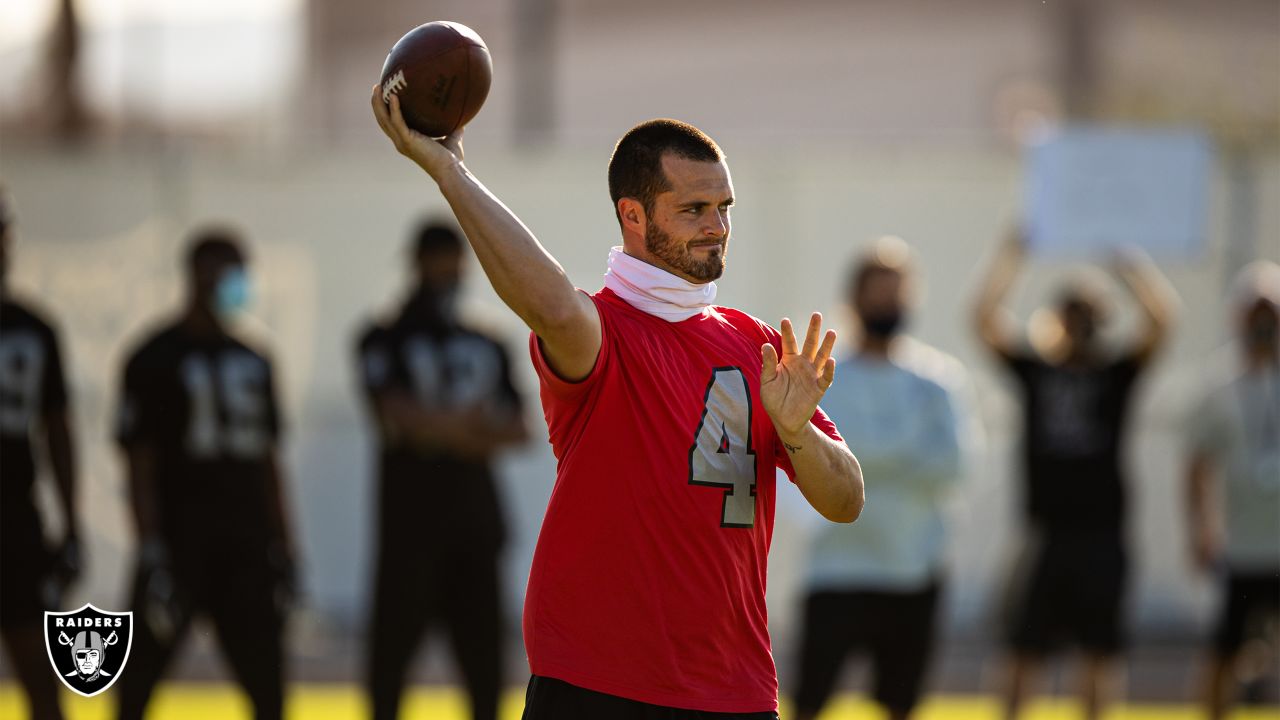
(444, 368)
(207, 409)
(32, 387)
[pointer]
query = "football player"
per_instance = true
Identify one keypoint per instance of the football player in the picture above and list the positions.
(443, 403)
(35, 414)
(1234, 455)
(1076, 399)
(200, 426)
(874, 586)
(667, 415)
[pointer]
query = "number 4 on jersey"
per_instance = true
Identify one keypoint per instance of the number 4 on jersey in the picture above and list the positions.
(721, 455)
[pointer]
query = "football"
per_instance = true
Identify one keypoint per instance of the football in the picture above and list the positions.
(441, 72)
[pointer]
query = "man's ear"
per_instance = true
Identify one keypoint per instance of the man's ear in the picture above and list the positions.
(631, 213)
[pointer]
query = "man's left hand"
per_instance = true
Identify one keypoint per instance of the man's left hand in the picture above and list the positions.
(791, 387)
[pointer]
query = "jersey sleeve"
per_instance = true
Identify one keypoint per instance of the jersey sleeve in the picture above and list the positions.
(275, 418)
(53, 396)
(819, 419)
(1126, 370)
(138, 415)
(1021, 364)
(375, 361)
(563, 390)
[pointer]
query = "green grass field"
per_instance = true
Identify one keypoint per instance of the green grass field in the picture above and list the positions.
(344, 702)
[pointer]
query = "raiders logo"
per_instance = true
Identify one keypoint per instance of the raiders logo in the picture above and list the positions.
(88, 647)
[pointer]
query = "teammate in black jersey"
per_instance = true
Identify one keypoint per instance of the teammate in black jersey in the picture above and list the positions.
(199, 424)
(443, 402)
(1076, 397)
(34, 417)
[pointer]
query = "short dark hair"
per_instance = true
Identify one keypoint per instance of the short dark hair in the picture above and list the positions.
(1085, 287)
(635, 169)
(212, 243)
(435, 236)
(888, 254)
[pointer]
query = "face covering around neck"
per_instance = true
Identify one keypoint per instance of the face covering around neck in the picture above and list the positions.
(655, 291)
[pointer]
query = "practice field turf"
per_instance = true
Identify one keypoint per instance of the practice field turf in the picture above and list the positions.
(344, 702)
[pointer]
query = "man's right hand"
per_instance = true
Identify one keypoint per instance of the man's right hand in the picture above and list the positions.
(525, 276)
(435, 156)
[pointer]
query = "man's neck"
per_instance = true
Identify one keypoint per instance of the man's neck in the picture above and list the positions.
(1066, 353)
(199, 321)
(875, 347)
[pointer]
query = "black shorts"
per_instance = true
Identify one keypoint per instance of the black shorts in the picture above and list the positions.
(895, 628)
(25, 562)
(1249, 597)
(551, 699)
(1071, 593)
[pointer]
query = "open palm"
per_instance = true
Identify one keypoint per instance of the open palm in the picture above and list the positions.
(791, 387)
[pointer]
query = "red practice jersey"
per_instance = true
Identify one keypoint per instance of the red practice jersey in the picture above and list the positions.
(648, 581)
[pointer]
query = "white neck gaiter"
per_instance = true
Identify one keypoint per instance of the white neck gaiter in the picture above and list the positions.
(654, 290)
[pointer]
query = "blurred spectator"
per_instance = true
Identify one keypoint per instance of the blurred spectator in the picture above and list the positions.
(1076, 399)
(874, 584)
(199, 423)
(1235, 444)
(443, 401)
(34, 420)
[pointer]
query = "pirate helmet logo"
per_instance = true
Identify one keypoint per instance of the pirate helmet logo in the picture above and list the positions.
(87, 651)
(88, 647)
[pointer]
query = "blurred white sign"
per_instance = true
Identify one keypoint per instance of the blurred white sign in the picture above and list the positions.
(1093, 189)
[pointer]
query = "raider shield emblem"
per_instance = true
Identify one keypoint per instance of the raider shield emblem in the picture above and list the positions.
(88, 647)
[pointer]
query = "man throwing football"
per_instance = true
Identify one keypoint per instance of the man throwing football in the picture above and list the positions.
(667, 415)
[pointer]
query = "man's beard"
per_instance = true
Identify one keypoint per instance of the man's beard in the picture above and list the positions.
(676, 254)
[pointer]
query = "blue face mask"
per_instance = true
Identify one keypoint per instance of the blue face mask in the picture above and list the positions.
(233, 293)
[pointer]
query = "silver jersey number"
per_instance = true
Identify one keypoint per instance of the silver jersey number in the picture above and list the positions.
(721, 455)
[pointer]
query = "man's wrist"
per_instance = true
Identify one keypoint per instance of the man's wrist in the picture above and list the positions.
(448, 174)
(796, 440)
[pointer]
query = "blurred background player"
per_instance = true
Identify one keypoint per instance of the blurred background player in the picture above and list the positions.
(1235, 458)
(443, 402)
(873, 585)
(199, 423)
(34, 419)
(1076, 398)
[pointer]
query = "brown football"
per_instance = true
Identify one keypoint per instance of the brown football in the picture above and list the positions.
(441, 71)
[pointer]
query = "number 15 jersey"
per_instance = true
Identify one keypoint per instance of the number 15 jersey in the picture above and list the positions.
(648, 581)
(207, 408)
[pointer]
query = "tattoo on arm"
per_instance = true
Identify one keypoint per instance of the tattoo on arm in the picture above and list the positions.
(793, 449)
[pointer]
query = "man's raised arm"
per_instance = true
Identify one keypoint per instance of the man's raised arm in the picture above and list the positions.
(522, 272)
